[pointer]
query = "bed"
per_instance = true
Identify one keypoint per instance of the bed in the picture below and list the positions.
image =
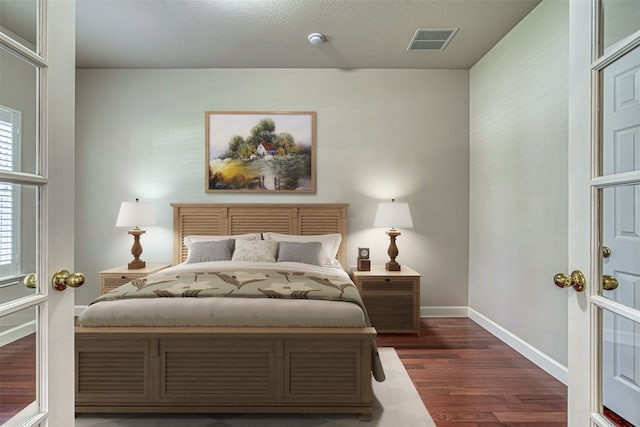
(315, 366)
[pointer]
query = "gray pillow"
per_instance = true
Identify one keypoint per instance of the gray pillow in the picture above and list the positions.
(220, 250)
(307, 252)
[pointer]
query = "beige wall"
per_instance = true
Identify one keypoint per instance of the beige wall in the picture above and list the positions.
(480, 156)
(518, 190)
(380, 134)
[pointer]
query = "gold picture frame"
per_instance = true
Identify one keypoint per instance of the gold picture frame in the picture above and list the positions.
(260, 152)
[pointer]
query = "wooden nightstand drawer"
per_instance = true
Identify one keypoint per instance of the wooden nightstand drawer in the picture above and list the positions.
(392, 298)
(115, 277)
(385, 285)
(393, 313)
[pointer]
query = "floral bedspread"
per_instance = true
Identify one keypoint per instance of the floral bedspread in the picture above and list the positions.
(239, 284)
(246, 284)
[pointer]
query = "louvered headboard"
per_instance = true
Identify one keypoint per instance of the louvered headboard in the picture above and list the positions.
(216, 219)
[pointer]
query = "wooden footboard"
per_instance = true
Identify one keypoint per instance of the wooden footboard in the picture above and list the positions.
(224, 370)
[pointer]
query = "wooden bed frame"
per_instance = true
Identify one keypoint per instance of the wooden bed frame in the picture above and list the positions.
(240, 370)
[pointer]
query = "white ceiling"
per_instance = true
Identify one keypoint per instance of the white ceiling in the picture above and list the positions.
(273, 33)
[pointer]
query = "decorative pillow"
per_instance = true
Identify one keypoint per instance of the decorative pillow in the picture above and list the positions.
(255, 250)
(188, 240)
(307, 252)
(220, 250)
(330, 244)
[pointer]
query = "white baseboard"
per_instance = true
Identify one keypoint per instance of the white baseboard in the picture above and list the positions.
(543, 361)
(14, 334)
(453, 311)
(551, 366)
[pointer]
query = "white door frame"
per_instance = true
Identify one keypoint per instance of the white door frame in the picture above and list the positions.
(579, 230)
(61, 28)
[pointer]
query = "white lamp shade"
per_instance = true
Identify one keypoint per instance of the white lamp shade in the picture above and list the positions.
(393, 214)
(135, 214)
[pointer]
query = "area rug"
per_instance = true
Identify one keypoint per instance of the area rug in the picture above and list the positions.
(397, 404)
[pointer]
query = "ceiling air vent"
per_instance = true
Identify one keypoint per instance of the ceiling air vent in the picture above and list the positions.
(431, 38)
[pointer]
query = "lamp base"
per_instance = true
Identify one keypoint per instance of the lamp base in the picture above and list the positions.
(136, 264)
(392, 266)
(136, 250)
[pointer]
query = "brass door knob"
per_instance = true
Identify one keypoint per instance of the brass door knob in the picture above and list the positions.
(577, 280)
(61, 279)
(606, 252)
(30, 281)
(609, 283)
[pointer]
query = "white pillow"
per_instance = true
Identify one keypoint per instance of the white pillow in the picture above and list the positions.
(330, 244)
(255, 251)
(188, 240)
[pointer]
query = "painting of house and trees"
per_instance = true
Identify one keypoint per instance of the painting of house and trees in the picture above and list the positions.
(260, 152)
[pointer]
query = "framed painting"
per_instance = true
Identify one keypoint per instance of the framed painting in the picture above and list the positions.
(264, 152)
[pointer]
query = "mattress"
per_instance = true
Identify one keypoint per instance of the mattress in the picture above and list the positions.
(228, 312)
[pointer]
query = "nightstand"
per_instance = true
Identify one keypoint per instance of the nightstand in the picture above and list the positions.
(114, 277)
(392, 298)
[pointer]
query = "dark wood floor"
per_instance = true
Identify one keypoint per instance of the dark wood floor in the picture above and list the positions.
(467, 377)
(17, 376)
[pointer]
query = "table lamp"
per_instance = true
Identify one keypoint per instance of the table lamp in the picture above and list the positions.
(136, 214)
(392, 214)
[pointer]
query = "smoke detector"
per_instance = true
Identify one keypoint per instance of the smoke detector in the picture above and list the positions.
(316, 39)
(431, 38)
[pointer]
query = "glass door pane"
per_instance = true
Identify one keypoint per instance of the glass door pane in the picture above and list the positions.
(621, 368)
(621, 238)
(620, 18)
(19, 145)
(18, 365)
(621, 115)
(18, 240)
(19, 20)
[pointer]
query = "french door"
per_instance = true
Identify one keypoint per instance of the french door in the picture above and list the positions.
(37, 81)
(604, 212)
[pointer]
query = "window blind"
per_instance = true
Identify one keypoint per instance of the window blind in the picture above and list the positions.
(8, 134)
